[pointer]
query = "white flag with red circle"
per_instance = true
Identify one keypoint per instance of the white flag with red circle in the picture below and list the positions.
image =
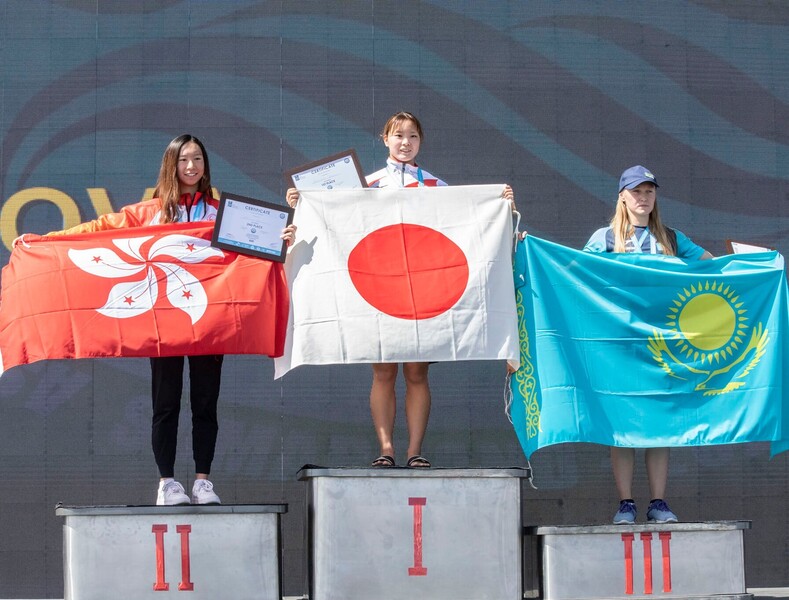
(401, 275)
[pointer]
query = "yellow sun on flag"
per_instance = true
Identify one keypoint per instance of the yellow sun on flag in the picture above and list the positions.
(708, 322)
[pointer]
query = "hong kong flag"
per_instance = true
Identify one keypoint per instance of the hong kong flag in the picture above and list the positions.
(148, 291)
(401, 275)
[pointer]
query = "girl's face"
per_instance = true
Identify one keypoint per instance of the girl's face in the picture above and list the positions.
(403, 142)
(191, 167)
(639, 202)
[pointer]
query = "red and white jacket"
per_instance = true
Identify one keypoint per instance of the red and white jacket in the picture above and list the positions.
(148, 212)
(397, 174)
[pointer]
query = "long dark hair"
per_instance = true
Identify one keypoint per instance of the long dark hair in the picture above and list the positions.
(168, 189)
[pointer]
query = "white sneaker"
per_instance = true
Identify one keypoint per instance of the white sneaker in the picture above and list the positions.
(203, 493)
(171, 493)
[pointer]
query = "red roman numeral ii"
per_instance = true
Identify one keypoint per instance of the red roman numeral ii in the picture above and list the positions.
(161, 584)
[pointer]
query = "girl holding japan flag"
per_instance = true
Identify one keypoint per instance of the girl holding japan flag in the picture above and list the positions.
(402, 135)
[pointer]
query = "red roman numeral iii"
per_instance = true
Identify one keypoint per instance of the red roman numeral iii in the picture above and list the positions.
(646, 540)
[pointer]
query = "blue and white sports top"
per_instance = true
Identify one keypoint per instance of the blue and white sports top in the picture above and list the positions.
(642, 241)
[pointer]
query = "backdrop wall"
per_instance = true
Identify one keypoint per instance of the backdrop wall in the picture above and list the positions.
(555, 98)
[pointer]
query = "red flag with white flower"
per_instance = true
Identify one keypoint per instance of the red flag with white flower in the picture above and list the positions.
(147, 291)
(401, 275)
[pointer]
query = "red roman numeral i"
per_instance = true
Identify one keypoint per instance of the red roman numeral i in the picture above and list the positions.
(417, 569)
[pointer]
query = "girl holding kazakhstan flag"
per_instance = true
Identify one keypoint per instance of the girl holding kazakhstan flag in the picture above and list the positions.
(636, 227)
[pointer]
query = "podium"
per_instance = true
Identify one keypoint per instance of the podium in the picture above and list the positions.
(673, 560)
(396, 533)
(400, 533)
(145, 552)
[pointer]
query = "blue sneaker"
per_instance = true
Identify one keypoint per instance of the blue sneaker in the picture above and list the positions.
(659, 512)
(626, 515)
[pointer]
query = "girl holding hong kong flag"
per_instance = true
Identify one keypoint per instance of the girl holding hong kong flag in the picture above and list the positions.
(183, 193)
(402, 135)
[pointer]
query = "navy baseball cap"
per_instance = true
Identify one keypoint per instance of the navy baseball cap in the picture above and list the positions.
(634, 176)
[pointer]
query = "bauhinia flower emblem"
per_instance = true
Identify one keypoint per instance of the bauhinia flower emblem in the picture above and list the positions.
(132, 298)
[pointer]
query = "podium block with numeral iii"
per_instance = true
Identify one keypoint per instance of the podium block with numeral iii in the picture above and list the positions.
(399, 533)
(143, 552)
(673, 560)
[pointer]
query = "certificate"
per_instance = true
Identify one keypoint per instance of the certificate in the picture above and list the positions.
(745, 248)
(338, 171)
(251, 226)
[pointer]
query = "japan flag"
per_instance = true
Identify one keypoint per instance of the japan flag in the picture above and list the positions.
(401, 275)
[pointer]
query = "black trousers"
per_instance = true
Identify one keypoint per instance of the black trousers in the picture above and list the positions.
(167, 377)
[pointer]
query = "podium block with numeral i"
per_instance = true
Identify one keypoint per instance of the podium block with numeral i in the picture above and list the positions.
(414, 534)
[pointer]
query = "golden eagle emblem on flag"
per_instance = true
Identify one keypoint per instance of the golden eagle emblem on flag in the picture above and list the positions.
(710, 339)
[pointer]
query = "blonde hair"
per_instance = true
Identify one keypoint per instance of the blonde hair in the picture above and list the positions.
(623, 229)
(397, 119)
(168, 189)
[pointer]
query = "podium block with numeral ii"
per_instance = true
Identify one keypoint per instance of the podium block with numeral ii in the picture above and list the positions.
(674, 560)
(414, 534)
(142, 552)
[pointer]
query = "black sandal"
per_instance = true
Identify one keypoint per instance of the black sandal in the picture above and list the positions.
(418, 462)
(383, 461)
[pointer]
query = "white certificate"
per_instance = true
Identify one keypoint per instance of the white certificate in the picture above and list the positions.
(338, 171)
(743, 248)
(251, 226)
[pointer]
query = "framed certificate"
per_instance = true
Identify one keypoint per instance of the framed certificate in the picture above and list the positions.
(251, 226)
(745, 248)
(340, 171)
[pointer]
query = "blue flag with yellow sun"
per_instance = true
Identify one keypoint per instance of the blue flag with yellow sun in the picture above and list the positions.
(647, 351)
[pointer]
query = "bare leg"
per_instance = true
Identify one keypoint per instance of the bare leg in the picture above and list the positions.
(417, 404)
(383, 405)
(622, 460)
(656, 460)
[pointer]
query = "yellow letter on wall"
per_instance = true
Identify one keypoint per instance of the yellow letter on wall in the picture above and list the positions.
(12, 207)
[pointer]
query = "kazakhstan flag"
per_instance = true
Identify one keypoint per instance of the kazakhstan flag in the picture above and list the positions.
(647, 351)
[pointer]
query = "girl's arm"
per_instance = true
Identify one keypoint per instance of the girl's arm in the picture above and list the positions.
(597, 243)
(133, 215)
(130, 216)
(687, 249)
